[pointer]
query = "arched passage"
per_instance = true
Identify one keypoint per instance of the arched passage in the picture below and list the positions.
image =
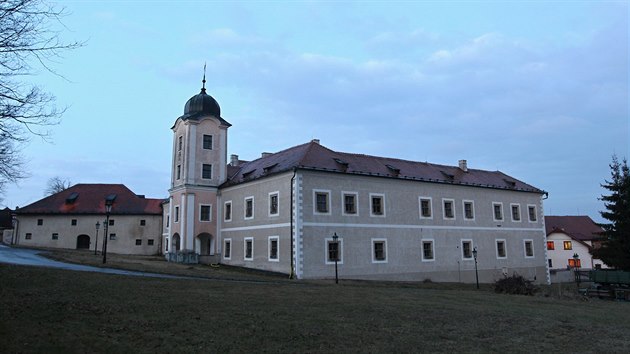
(83, 242)
(204, 244)
(176, 243)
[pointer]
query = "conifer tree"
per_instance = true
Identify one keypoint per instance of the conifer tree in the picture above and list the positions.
(615, 245)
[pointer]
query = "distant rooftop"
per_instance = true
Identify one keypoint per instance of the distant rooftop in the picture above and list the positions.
(90, 199)
(578, 227)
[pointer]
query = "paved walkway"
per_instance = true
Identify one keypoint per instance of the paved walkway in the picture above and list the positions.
(29, 257)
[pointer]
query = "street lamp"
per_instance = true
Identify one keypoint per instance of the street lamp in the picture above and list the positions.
(476, 271)
(336, 241)
(96, 241)
(108, 209)
(576, 268)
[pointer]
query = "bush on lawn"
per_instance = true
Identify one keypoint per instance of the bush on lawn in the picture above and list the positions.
(515, 284)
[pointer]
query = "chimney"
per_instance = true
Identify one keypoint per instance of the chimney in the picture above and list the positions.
(265, 154)
(316, 141)
(463, 165)
(234, 160)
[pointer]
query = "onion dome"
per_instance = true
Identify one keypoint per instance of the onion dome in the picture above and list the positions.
(202, 103)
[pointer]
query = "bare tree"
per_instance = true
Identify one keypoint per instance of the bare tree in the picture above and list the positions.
(56, 185)
(29, 43)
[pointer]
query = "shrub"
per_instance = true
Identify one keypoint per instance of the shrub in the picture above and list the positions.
(515, 284)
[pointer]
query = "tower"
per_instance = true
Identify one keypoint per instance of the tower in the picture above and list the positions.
(198, 168)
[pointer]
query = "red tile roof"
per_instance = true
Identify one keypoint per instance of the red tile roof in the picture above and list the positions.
(313, 156)
(578, 227)
(90, 199)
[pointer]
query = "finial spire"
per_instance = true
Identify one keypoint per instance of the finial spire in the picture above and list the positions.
(203, 82)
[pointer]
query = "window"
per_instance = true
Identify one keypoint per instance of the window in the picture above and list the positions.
(498, 211)
(166, 244)
(112, 236)
(207, 142)
(227, 211)
(227, 248)
(568, 245)
(550, 245)
(427, 250)
(273, 248)
(143, 222)
(176, 214)
(469, 210)
(40, 222)
(501, 249)
(321, 200)
(28, 236)
(425, 208)
(574, 264)
(150, 242)
(248, 252)
(180, 142)
(377, 205)
(205, 212)
(179, 171)
(516, 212)
(467, 249)
(111, 222)
(550, 263)
(334, 250)
(349, 203)
(379, 250)
(449, 211)
(531, 210)
(206, 171)
(529, 248)
(55, 236)
(249, 208)
(73, 222)
(273, 204)
(168, 220)
(138, 242)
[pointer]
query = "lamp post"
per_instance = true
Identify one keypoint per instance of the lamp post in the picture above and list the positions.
(336, 241)
(576, 268)
(96, 241)
(108, 209)
(474, 252)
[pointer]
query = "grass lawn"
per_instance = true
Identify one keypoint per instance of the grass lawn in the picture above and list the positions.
(48, 310)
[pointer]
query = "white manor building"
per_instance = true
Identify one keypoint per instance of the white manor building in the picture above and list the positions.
(395, 219)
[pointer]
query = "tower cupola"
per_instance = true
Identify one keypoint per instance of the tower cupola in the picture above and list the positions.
(202, 103)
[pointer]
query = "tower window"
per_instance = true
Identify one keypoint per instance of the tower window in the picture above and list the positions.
(179, 171)
(180, 142)
(206, 171)
(205, 212)
(207, 142)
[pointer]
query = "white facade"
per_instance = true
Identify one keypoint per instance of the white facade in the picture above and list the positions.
(396, 220)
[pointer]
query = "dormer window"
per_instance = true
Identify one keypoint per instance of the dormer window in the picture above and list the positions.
(72, 198)
(395, 171)
(341, 162)
(248, 173)
(449, 176)
(269, 168)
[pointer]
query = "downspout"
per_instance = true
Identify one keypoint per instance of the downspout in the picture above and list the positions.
(292, 273)
(16, 224)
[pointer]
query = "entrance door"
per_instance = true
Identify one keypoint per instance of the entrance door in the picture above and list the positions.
(83, 242)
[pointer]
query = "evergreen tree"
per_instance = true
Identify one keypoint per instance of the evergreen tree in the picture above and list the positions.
(615, 247)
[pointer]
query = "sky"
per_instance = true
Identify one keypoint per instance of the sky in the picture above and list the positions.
(536, 89)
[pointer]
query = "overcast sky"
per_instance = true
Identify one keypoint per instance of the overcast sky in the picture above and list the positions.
(535, 89)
